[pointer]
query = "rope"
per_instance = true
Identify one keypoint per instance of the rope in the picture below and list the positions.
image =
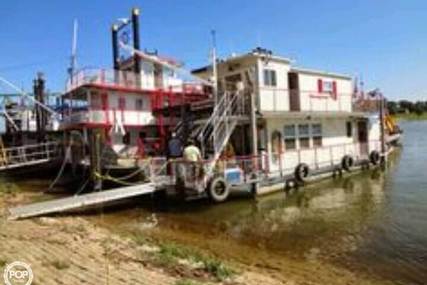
(120, 180)
(81, 187)
(61, 170)
(108, 177)
(139, 170)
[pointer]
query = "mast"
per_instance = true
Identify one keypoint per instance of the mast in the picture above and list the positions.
(73, 59)
(214, 68)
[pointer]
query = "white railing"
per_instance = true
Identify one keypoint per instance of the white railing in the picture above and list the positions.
(110, 116)
(105, 77)
(131, 80)
(195, 175)
(325, 103)
(14, 156)
(283, 99)
(319, 157)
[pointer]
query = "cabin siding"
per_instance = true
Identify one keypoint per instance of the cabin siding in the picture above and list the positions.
(315, 98)
(273, 98)
(335, 144)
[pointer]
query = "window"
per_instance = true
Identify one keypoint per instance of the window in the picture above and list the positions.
(328, 87)
(270, 77)
(139, 104)
(95, 100)
(122, 103)
(304, 135)
(316, 131)
(349, 129)
(289, 135)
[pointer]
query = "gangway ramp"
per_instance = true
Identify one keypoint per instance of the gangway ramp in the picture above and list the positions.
(80, 201)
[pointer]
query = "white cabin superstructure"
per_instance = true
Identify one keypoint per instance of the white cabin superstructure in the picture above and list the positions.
(303, 115)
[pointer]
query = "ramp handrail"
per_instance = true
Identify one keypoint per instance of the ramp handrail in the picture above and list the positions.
(220, 125)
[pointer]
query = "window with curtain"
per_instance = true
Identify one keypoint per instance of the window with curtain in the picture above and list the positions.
(316, 131)
(289, 137)
(304, 135)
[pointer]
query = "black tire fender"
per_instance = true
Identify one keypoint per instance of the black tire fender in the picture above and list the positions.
(212, 189)
(302, 171)
(374, 157)
(347, 163)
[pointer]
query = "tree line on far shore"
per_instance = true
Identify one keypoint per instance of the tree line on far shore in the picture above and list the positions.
(406, 107)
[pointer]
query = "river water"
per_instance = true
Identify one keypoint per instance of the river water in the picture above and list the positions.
(374, 223)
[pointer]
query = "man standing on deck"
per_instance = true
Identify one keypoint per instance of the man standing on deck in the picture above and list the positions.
(193, 157)
(174, 147)
(192, 152)
(174, 151)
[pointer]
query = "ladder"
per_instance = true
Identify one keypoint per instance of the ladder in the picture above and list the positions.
(219, 127)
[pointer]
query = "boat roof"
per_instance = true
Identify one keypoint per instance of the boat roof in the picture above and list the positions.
(320, 72)
(258, 52)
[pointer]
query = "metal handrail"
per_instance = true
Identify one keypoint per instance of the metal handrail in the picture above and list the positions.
(33, 152)
(210, 120)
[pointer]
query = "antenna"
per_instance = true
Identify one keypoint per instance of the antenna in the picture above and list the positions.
(214, 67)
(73, 62)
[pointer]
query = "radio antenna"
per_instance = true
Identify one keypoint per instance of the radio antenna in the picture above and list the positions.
(73, 59)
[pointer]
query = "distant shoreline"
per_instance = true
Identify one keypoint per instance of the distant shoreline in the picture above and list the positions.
(410, 117)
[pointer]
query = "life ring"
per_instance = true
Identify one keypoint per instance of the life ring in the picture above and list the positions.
(302, 171)
(218, 189)
(374, 157)
(347, 163)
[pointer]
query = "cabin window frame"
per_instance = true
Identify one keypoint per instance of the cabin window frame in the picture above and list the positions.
(304, 138)
(270, 77)
(317, 136)
(289, 139)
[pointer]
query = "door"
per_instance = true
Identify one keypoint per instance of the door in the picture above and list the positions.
(158, 76)
(294, 96)
(104, 106)
(362, 135)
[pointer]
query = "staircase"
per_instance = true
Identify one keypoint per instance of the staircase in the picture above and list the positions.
(216, 132)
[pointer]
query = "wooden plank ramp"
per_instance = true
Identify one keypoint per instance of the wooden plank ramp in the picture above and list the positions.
(80, 201)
